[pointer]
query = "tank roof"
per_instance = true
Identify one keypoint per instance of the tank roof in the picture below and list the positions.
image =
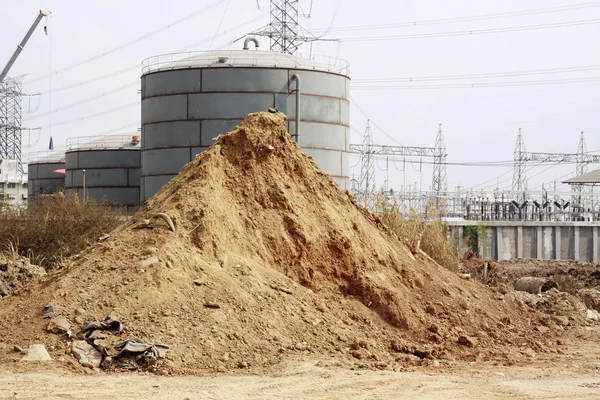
(48, 156)
(109, 142)
(242, 58)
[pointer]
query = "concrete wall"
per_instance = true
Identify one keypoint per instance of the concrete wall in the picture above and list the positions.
(41, 178)
(503, 240)
(184, 110)
(112, 175)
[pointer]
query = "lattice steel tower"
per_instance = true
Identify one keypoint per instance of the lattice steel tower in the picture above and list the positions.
(439, 182)
(366, 180)
(581, 193)
(284, 26)
(519, 181)
(10, 120)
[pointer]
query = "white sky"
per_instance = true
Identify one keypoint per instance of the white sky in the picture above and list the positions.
(480, 124)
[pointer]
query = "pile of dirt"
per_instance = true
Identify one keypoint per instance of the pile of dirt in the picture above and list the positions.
(16, 273)
(576, 283)
(269, 259)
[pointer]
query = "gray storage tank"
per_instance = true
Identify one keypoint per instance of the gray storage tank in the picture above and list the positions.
(108, 167)
(187, 100)
(42, 176)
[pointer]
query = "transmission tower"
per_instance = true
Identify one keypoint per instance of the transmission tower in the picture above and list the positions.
(439, 182)
(581, 193)
(10, 120)
(519, 182)
(366, 180)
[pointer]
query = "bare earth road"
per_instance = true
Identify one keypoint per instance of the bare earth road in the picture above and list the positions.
(307, 380)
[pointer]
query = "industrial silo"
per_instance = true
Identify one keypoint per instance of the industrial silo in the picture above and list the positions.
(187, 100)
(104, 168)
(45, 173)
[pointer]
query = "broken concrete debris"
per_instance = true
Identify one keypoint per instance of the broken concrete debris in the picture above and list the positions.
(36, 352)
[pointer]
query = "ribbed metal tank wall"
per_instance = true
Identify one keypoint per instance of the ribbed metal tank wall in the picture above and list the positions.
(112, 169)
(187, 103)
(41, 178)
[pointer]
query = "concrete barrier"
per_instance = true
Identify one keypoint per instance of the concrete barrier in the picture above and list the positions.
(504, 240)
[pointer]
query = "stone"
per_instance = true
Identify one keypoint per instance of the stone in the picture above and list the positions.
(19, 349)
(542, 329)
(148, 262)
(58, 324)
(36, 352)
(300, 346)
(356, 354)
(86, 354)
(561, 320)
(221, 369)
(467, 341)
(80, 311)
(435, 363)
(242, 364)
(321, 307)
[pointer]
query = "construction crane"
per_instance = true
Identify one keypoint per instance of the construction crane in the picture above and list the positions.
(19, 49)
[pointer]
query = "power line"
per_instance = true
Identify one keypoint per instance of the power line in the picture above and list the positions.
(472, 32)
(480, 85)
(509, 14)
(112, 110)
(584, 68)
(78, 103)
(137, 66)
(127, 44)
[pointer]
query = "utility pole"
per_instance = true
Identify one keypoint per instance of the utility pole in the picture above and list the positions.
(581, 195)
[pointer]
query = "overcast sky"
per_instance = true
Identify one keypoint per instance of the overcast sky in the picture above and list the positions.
(479, 123)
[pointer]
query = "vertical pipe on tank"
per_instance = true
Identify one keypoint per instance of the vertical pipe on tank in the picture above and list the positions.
(296, 78)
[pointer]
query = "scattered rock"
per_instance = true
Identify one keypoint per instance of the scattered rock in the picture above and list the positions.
(467, 341)
(221, 368)
(559, 342)
(300, 346)
(198, 282)
(593, 315)
(86, 354)
(79, 312)
(36, 352)
(321, 307)
(561, 320)
(435, 363)
(58, 324)
(48, 311)
(242, 364)
(19, 349)
(210, 304)
(148, 262)
(465, 276)
(356, 354)
(542, 329)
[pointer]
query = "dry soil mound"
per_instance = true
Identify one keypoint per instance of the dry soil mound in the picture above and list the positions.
(15, 274)
(269, 259)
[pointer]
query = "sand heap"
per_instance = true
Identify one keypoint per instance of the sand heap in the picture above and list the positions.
(269, 259)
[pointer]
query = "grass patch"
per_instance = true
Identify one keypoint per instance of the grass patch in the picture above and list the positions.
(55, 228)
(412, 227)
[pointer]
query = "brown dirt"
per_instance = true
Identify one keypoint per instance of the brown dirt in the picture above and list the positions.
(270, 260)
(578, 284)
(17, 273)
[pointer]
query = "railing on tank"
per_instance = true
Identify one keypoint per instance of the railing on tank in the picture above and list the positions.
(104, 142)
(48, 156)
(243, 58)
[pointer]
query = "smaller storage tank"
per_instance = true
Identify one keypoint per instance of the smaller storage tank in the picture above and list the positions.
(104, 168)
(42, 176)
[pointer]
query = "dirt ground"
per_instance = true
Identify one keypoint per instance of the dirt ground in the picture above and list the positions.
(310, 379)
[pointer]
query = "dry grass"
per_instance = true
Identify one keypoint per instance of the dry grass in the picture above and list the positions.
(54, 228)
(412, 227)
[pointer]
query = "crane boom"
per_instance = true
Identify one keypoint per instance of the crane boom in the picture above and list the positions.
(19, 49)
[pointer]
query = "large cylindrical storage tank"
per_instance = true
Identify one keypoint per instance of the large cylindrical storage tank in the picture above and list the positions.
(108, 167)
(187, 103)
(42, 176)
